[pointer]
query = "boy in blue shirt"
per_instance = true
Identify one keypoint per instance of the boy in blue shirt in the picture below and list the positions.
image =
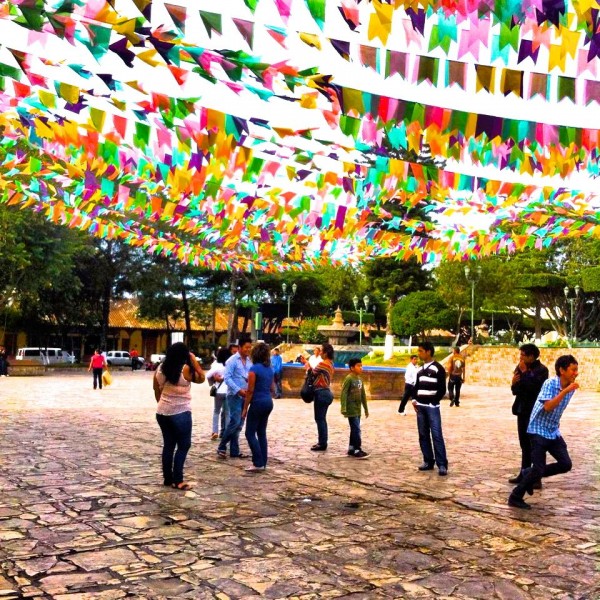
(553, 399)
(352, 399)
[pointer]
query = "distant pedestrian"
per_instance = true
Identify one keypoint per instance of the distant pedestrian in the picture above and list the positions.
(315, 358)
(410, 379)
(97, 365)
(527, 381)
(3, 362)
(324, 371)
(134, 355)
(429, 390)
(277, 365)
(456, 375)
(216, 376)
(352, 401)
(237, 368)
(258, 405)
(172, 390)
(554, 397)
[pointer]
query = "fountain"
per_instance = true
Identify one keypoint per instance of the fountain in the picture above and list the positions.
(338, 334)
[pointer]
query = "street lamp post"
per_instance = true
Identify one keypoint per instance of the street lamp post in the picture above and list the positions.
(571, 301)
(360, 314)
(289, 300)
(472, 276)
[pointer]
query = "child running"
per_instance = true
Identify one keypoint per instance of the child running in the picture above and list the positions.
(353, 397)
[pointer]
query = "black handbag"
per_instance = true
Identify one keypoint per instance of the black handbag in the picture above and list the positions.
(213, 389)
(307, 392)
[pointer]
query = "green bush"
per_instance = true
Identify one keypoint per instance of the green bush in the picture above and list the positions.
(308, 332)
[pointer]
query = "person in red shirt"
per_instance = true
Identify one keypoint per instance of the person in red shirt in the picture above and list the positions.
(134, 359)
(97, 364)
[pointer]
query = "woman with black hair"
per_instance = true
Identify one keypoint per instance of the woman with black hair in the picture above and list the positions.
(323, 372)
(173, 393)
(258, 405)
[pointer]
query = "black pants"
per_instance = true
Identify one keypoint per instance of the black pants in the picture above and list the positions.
(408, 390)
(524, 439)
(454, 384)
(540, 446)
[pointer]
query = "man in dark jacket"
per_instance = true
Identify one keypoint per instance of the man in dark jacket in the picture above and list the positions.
(429, 389)
(528, 377)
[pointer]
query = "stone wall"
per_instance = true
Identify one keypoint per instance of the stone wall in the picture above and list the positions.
(494, 365)
(379, 385)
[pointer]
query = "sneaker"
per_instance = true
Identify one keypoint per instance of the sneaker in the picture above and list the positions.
(214, 436)
(317, 448)
(350, 453)
(426, 467)
(361, 454)
(254, 469)
(403, 413)
(516, 502)
(443, 471)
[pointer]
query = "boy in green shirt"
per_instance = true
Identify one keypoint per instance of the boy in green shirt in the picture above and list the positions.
(353, 396)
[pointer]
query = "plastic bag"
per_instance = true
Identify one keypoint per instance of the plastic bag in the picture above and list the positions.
(106, 378)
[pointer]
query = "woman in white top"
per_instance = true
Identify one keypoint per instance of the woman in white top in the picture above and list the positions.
(215, 376)
(173, 393)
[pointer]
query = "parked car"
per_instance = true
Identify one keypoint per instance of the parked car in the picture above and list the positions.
(46, 356)
(155, 360)
(121, 358)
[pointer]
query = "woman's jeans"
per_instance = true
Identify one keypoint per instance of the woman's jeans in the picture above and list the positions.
(222, 411)
(429, 423)
(256, 430)
(323, 398)
(97, 376)
(231, 435)
(177, 439)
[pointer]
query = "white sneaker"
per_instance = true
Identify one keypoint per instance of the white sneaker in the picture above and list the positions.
(403, 413)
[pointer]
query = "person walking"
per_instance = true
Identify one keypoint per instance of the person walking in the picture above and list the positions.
(527, 381)
(410, 378)
(97, 364)
(323, 371)
(553, 399)
(429, 389)
(134, 355)
(456, 375)
(216, 376)
(352, 400)
(3, 362)
(172, 391)
(277, 365)
(237, 368)
(258, 405)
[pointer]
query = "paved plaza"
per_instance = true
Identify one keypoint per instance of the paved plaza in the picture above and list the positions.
(83, 513)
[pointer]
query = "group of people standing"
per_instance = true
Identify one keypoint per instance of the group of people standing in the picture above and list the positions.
(246, 384)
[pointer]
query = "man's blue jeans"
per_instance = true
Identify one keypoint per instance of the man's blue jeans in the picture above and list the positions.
(355, 439)
(540, 446)
(231, 434)
(323, 398)
(177, 440)
(256, 431)
(429, 423)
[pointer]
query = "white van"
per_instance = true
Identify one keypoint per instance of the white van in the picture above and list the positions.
(46, 356)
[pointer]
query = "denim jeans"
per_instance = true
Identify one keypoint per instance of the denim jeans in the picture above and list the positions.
(355, 440)
(221, 411)
(97, 377)
(256, 431)
(177, 440)
(524, 438)
(454, 384)
(429, 423)
(277, 380)
(231, 434)
(323, 398)
(540, 446)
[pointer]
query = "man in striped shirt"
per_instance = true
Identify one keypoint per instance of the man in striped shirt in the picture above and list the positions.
(554, 397)
(429, 389)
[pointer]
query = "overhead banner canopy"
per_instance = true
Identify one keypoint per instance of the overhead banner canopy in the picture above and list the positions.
(283, 134)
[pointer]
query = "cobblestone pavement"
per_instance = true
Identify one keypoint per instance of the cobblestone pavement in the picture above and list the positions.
(83, 513)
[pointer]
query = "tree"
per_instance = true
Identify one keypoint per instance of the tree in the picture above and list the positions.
(419, 313)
